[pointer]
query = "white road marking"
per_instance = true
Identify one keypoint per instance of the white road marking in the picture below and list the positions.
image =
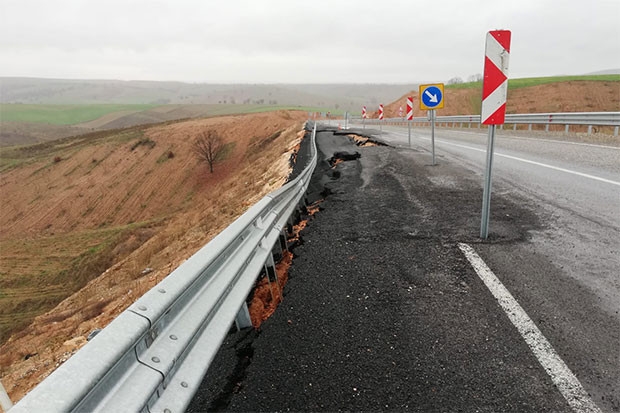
(544, 165)
(559, 142)
(560, 374)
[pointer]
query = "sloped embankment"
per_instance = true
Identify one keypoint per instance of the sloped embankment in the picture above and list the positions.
(110, 215)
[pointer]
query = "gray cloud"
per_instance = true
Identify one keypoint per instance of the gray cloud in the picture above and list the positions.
(301, 41)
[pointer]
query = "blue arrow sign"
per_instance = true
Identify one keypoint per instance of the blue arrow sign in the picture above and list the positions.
(432, 96)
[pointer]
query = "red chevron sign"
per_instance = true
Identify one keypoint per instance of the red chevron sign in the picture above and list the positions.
(410, 108)
(495, 80)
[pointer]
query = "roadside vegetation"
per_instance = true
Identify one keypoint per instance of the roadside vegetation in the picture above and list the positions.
(62, 114)
(535, 81)
(76, 114)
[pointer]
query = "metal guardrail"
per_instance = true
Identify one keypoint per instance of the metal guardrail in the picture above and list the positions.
(577, 118)
(154, 355)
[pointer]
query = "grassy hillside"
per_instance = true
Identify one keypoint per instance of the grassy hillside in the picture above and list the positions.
(62, 114)
(599, 93)
(535, 81)
(22, 124)
(73, 208)
(67, 91)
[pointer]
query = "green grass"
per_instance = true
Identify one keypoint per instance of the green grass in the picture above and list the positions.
(37, 273)
(62, 114)
(225, 152)
(75, 114)
(15, 156)
(229, 109)
(535, 81)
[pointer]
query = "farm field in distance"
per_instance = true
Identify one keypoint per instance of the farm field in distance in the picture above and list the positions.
(23, 124)
(62, 114)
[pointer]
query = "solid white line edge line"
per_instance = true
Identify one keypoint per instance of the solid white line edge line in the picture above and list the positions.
(560, 374)
(544, 165)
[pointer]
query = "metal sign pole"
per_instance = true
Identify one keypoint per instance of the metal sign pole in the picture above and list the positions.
(409, 124)
(433, 133)
(486, 195)
(493, 109)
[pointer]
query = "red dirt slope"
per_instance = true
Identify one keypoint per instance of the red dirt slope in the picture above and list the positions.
(69, 195)
(573, 96)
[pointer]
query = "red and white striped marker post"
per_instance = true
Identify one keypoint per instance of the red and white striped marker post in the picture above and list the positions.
(364, 116)
(409, 115)
(380, 118)
(493, 111)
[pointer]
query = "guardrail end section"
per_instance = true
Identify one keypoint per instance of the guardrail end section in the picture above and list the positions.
(87, 373)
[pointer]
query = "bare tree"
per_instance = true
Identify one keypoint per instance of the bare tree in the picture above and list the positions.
(208, 146)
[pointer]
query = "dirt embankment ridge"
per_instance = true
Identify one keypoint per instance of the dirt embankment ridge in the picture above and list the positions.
(571, 96)
(129, 206)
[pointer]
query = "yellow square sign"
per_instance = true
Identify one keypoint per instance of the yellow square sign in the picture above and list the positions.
(431, 96)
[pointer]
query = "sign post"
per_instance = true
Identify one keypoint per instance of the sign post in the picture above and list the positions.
(381, 119)
(364, 116)
(493, 111)
(409, 115)
(431, 98)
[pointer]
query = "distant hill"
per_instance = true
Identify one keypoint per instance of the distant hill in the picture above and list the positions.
(529, 95)
(68, 91)
(606, 72)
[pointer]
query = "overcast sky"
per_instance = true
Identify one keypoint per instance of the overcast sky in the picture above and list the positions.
(305, 41)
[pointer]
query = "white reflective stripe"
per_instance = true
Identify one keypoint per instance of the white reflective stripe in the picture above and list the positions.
(493, 102)
(494, 52)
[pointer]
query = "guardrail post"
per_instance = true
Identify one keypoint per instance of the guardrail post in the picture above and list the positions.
(589, 129)
(529, 127)
(283, 240)
(566, 128)
(270, 270)
(616, 131)
(243, 320)
(547, 127)
(514, 126)
(272, 276)
(278, 250)
(5, 400)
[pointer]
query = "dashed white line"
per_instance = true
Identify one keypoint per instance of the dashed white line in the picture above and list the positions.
(560, 374)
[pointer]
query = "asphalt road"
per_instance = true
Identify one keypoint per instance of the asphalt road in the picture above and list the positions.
(384, 312)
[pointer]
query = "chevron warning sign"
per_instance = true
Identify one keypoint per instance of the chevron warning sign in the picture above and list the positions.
(495, 80)
(364, 115)
(410, 108)
(381, 112)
